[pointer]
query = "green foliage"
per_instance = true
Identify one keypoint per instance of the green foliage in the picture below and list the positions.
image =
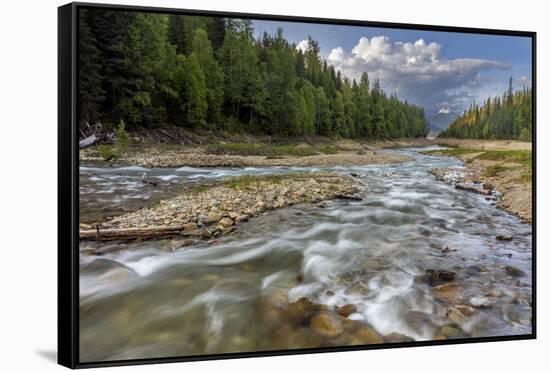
(453, 152)
(111, 152)
(90, 77)
(522, 156)
(506, 117)
(250, 149)
(327, 150)
(211, 73)
(108, 152)
(123, 138)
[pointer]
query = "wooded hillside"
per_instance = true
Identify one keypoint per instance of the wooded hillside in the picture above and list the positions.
(153, 70)
(506, 117)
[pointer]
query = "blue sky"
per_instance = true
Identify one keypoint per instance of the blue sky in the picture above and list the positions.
(444, 69)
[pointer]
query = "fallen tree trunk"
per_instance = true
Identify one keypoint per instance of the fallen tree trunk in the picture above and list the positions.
(474, 189)
(88, 141)
(135, 233)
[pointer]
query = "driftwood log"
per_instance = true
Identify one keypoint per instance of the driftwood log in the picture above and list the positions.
(136, 233)
(474, 189)
(88, 141)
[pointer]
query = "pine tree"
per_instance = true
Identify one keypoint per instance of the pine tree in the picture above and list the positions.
(91, 94)
(213, 74)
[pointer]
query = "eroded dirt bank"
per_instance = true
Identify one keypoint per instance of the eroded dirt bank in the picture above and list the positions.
(505, 173)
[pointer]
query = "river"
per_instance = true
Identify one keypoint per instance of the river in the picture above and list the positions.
(141, 299)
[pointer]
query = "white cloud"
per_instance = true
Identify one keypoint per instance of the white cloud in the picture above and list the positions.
(336, 55)
(416, 71)
(303, 46)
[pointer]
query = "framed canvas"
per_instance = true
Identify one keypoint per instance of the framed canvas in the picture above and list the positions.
(242, 185)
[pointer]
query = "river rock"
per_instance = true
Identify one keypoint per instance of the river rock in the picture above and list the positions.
(212, 217)
(448, 292)
(481, 301)
(346, 310)
(350, 325)
(504, 237)
(327, 324)
(190, 226)
(118, 275)
(226, 222)
(396, 337)
(449, 332)
(241, 218)
(474, 189)
(101, 266)
(273, 306)
(456, 315)
(367, 335)
(300, 311)
(437, 276)
(513, 271)
(177, 244)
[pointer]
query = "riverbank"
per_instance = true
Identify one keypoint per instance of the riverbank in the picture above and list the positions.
(481, 144)
(256, 152)
(504, 173)
(208, 211)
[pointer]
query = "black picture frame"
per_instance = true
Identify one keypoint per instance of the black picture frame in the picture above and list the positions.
(68, 184)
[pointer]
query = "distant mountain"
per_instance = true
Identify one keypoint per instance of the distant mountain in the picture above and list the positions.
(434, 129)
(441, 119)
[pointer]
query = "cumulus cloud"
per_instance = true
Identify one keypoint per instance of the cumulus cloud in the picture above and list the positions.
(303, 46)
(415, 71)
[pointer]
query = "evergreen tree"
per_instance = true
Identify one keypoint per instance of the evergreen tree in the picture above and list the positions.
(213, 74)
(91, 94)
(206, 72)
(506, 117)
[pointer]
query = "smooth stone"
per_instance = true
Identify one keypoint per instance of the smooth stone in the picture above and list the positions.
(481, 301)
(449, 332)
(456, 315)
(226, 222)
(396, 337)
(447, 291)
(301, 310)
(190, 226)
(346, 310)
(514, 272)
(437, 276)
(367, 335)
(502, 237)
(327, 324)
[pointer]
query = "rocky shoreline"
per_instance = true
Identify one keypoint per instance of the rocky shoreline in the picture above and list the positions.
(502, 181)
(209, 211)
(171, 158)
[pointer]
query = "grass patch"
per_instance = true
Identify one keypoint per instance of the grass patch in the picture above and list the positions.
(493, 170)
(250, 181)
(524, 157)
(243, 149)
(108, 152)
(453, 152)
(292, 150)
(327, 150)
(254, 149)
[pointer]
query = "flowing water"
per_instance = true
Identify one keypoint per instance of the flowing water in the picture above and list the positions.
(141, 299)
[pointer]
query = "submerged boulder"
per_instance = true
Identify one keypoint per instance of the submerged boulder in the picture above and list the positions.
(327, 324)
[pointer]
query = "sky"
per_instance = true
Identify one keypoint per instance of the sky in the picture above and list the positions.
(429, 68)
